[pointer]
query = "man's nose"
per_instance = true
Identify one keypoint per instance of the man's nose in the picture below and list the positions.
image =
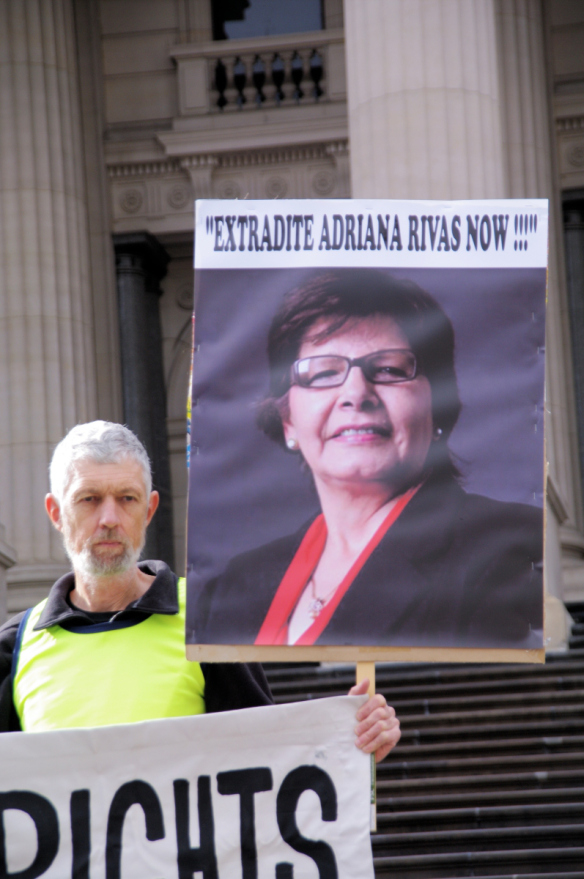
(357, 391)
(108, 513)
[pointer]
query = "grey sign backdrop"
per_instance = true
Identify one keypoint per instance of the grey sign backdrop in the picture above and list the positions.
(246, 491)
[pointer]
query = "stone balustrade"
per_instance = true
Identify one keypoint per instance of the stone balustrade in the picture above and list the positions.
(260, 73)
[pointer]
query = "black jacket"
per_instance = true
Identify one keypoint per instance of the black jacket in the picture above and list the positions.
(228, 686)
(455, 570)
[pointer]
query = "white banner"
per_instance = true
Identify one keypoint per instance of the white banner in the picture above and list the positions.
(273, 793)
(493, 233)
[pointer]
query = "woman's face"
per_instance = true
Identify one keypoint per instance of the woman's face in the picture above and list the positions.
(361, 432)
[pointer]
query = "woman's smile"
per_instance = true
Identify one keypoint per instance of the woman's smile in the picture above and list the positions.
(357, 433)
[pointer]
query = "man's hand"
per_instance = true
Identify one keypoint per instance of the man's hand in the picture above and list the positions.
(377, 727)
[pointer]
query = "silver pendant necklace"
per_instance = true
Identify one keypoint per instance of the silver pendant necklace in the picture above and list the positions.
(316, 603)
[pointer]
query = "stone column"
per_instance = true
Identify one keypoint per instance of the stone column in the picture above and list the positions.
(448, 99)
(423, 99)
(195, 21)
(47, 350)
(530, 171)
(140, 265)
(7, 560)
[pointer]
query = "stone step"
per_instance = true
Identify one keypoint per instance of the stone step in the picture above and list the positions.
(408, 671)
(517, 714)
(566, 705)
(502, 864)
(451, 798)
(572, 778)
(413, 680)
(579, 874)
(530, 814)
(507, 731)
(471, 702)
(572, 678)
(488, 747)
(426, 768)
(431, 699)
(479, 840)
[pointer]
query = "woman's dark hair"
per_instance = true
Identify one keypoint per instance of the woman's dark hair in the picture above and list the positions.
(339, 296)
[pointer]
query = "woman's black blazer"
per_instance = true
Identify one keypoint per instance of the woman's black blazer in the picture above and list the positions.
(455, 570)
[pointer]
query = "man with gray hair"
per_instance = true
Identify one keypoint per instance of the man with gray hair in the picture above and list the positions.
(107, 644)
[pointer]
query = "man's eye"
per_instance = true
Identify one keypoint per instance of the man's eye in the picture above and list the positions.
(129, 497)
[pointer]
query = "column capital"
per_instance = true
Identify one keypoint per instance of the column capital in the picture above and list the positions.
(147, 254)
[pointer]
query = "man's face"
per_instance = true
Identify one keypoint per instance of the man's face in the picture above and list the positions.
(103, 516)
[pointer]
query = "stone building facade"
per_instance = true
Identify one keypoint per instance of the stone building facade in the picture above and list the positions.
(116, 114)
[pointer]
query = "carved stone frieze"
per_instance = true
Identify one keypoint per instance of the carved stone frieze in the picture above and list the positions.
(276, 187)
(178, 196)
(570, 123)
(228, 188)
(159, 194)
(323, 182)
(131, 200)
(575, 155)
(570, 138)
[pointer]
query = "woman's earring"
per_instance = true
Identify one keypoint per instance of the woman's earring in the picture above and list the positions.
(438, 433)
(292, 444)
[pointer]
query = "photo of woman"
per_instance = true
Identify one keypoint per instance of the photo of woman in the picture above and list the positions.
(363, 393)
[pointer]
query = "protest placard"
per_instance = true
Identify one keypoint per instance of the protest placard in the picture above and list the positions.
(267, 792)
(367, 442)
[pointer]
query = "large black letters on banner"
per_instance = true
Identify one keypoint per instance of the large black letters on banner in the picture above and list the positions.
(195, 860)
(246, 783)
(129, 794)
(80, 834)
(44, 815)
(296, 782)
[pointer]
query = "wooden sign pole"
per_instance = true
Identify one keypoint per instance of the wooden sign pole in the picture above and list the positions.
(367, 670)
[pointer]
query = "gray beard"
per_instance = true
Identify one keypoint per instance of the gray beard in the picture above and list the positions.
(90, 564)
(87, 563)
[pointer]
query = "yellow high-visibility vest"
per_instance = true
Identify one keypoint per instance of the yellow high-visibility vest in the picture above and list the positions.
(100, 675)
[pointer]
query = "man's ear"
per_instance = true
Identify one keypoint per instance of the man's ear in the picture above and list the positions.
(54, 511)
(153, 502)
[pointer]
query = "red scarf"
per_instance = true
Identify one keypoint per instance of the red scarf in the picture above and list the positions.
(274, 628)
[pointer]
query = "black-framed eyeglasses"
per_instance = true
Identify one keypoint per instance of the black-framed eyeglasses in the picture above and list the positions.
(388, 367)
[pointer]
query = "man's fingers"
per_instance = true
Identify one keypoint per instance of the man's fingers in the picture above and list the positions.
(377, 727)
(375, 703)
(380, 715)
(359, 689)
(380, 739)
